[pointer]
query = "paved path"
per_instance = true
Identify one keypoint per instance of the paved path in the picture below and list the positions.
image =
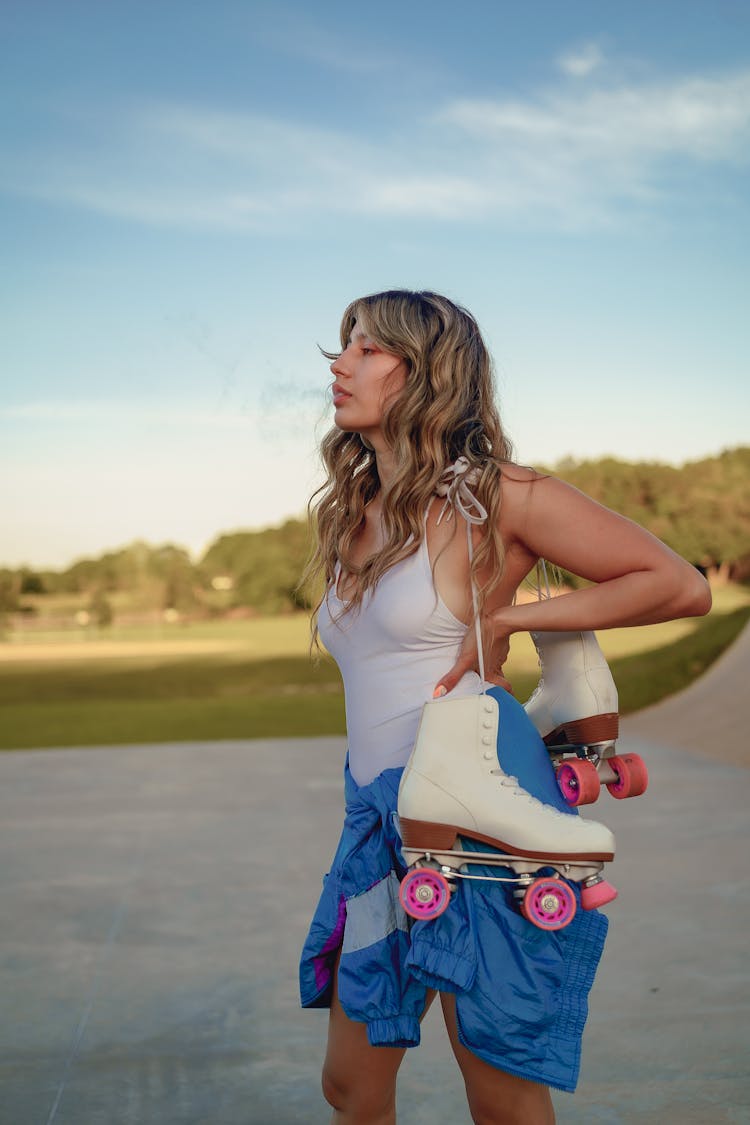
(154, 899)
(709, 718)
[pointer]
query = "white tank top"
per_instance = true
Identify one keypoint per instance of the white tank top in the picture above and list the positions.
(391, 653)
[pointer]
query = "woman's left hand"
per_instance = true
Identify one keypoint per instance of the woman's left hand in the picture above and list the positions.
(468, 661)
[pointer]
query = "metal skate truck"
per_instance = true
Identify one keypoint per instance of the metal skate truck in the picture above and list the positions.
(574, 709)
(479, 799)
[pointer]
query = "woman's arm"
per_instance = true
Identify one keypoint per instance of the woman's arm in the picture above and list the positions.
(639, 580)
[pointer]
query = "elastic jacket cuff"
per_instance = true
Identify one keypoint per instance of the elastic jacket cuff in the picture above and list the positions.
(399, 1031)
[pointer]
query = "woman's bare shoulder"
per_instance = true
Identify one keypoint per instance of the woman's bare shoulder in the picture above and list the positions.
(520, 474)
(519, 483)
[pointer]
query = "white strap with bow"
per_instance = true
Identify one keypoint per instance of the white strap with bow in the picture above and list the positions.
(454, 486)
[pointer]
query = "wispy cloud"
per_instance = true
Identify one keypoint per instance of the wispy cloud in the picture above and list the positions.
(439, 196)
(344, 46)
(291, 31)
(92, 412)
(123, 414)
(186, 166)
(572, 155)
(582, 61)
(697, 118)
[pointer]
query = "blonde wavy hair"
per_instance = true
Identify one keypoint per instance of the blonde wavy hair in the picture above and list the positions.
(446, 410)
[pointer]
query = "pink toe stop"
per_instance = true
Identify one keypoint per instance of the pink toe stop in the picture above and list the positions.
(598, 894)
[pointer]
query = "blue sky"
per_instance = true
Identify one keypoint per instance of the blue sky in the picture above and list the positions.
(192, 192)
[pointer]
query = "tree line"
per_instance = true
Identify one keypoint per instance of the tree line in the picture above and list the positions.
(701, 509)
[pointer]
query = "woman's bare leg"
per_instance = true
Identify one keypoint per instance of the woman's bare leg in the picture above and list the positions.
(359, 1081)
(496, 1098)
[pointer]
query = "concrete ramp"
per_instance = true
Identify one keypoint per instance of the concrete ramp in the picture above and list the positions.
(155, 899)
(711, 717)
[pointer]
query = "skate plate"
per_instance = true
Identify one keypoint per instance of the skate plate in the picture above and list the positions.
(581, 774)
(585, 757)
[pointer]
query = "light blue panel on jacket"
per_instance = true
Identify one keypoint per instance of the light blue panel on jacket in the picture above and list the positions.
(373, 915)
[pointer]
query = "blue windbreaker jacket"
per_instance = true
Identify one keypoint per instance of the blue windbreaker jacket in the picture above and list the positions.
(521, 992)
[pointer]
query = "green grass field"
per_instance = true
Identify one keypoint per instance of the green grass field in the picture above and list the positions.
(254, 679)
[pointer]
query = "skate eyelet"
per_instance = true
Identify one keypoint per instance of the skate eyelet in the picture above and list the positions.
(486, 741)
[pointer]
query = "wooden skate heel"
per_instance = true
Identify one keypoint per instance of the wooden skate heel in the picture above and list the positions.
(423, 835)
(584, 732)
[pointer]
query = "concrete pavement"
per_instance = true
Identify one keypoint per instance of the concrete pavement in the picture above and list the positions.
(708, 718)
(154, 899)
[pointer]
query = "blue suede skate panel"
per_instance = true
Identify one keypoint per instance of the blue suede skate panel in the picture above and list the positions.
(522, 753)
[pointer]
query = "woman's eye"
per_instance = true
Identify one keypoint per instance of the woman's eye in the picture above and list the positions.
(368, 351)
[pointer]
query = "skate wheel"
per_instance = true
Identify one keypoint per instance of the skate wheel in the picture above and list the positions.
(638, 774)
(632, 776)
(549, 903)
(579, 782)
(424, 894)
(599, 894)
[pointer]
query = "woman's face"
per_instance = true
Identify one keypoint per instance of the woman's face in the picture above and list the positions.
(366, 379)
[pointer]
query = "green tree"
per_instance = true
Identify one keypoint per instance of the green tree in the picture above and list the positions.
(9, 591)
(265, 566)
(31, 582)
(101, 610)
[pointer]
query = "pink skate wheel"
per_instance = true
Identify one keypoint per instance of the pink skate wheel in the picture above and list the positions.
(598, 894)
(579, 782)
(632, 776)
(638, 774)
(424, 893)
(549, 903)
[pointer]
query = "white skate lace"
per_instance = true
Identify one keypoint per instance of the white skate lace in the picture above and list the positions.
(512, 782)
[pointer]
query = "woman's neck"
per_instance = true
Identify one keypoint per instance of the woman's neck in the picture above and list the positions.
(386, 467)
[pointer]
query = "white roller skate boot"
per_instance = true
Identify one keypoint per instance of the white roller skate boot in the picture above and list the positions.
(574, 708)
(453, 785)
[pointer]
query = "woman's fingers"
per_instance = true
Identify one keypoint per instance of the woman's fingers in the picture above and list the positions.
(469, 662)
(500, 681)
(450, 679)
(466, 663)
(498, 652)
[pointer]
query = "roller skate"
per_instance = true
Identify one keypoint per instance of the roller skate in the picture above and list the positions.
(454, 787)
(574, 708)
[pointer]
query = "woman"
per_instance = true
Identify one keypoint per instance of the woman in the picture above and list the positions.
(413, 393)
